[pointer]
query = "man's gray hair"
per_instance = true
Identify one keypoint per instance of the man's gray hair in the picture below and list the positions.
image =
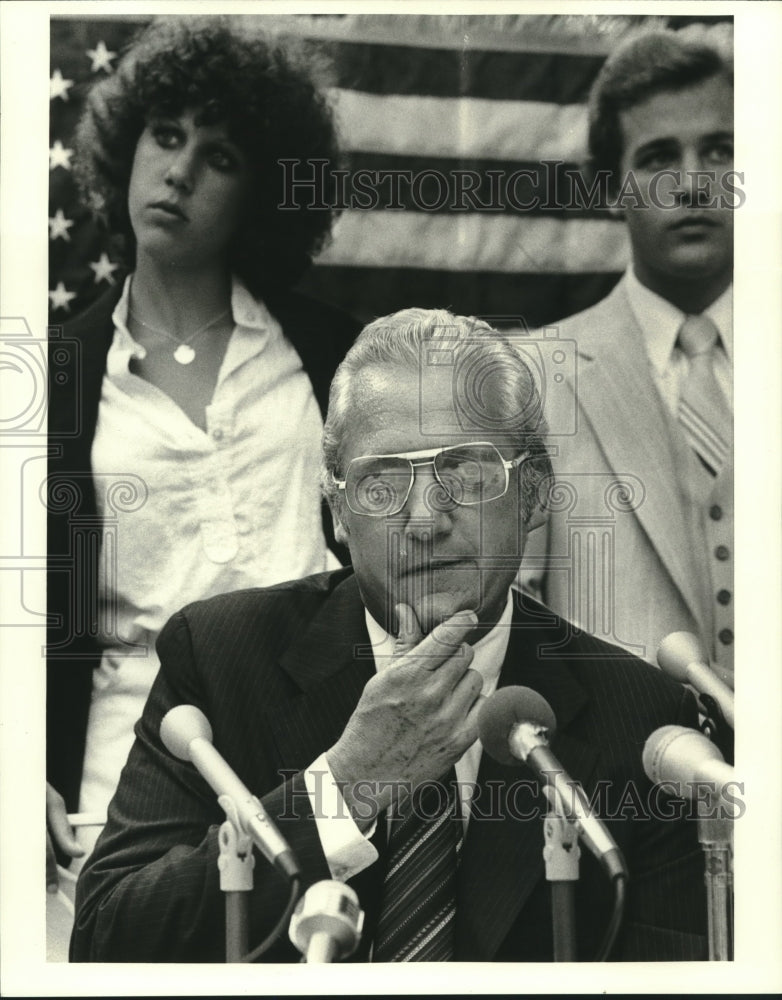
(481, 360)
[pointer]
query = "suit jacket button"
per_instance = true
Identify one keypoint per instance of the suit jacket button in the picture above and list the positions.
(726, 636)
(715, 512)
(723, 596)
(722, 552)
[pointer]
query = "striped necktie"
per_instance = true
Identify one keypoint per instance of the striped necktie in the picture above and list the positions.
(703, 412)
(418, 908)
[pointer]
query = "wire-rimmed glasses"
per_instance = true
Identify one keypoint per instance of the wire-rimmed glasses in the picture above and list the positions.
(472, 473)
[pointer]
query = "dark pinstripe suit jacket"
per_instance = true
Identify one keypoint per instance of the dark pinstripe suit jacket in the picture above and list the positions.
(278, 672)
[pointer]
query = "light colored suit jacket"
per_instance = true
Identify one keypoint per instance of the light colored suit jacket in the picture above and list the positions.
(630, 551)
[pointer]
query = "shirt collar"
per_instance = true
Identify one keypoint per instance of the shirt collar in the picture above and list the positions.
(119, 318)
(660, 320)
(253, 320)
(489, 651)
(247, 312)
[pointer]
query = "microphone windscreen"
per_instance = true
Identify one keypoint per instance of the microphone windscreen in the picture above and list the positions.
(180, 726)
(676, 652)
(676, 754)
(506, 708)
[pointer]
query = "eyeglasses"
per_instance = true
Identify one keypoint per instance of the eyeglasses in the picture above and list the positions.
(379, 485)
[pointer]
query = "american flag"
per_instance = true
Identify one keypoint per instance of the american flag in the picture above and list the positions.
(478, 122)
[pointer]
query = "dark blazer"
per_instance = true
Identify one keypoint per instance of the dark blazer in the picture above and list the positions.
(278, 672)
(77, 362)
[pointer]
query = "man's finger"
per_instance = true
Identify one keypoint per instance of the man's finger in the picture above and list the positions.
(471, 721)
(58, 825)
(445, 642)
(445, 639)
(410, 633)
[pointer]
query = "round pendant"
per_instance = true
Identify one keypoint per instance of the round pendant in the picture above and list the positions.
(184, 354)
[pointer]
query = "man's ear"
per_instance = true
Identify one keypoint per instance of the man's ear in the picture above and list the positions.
(538, 517)
(341, 533)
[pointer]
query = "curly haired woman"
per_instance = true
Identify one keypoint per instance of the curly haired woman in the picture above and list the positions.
(196, 388)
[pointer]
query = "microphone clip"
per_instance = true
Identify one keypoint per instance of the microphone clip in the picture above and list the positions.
(715, 726)
(562, 852)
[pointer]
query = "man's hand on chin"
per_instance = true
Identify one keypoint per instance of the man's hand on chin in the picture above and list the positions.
(414, 719)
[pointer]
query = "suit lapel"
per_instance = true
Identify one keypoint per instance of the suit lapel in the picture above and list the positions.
(502, 858)
(330, 662)
(614, 387)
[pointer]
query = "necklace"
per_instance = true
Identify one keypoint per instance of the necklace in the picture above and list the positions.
(184, 353)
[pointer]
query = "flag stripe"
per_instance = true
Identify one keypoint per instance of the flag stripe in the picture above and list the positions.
(459, 127)
(555, 77)
(474, 242)
(507, 299)
(417, 183)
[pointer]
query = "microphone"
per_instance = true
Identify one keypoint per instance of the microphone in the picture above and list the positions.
(187, 735)
(327, 922)
(681, 657)
(685, 757)
(514, 725)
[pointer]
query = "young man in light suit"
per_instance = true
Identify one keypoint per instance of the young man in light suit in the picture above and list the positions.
(639, 541)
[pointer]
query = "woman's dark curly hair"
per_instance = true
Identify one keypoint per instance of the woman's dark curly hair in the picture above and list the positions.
(267, 96)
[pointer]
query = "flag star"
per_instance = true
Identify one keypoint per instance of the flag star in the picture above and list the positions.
(59, 226)
(101, 57)
(104, 269)
(58, 87)
(59, 156)
(61, 297)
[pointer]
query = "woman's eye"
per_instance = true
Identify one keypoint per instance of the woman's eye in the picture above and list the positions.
(166, 136)
(222, 159)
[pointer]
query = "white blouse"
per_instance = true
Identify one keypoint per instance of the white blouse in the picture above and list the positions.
(201, 512)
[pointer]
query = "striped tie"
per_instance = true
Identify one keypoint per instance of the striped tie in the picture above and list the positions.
(419, 892)
(703, 411)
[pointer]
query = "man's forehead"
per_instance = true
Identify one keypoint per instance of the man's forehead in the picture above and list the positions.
(401, 387)
(705, 107)
(449, 382)
(398, 409)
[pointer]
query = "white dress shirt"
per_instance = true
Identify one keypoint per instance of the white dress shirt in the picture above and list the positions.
(348, 850)
(236, 505)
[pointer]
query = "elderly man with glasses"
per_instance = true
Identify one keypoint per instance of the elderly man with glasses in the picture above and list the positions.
(348, 702)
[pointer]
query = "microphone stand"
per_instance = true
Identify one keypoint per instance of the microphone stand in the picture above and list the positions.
(715, 835)
(235, 863)
(561, 855)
